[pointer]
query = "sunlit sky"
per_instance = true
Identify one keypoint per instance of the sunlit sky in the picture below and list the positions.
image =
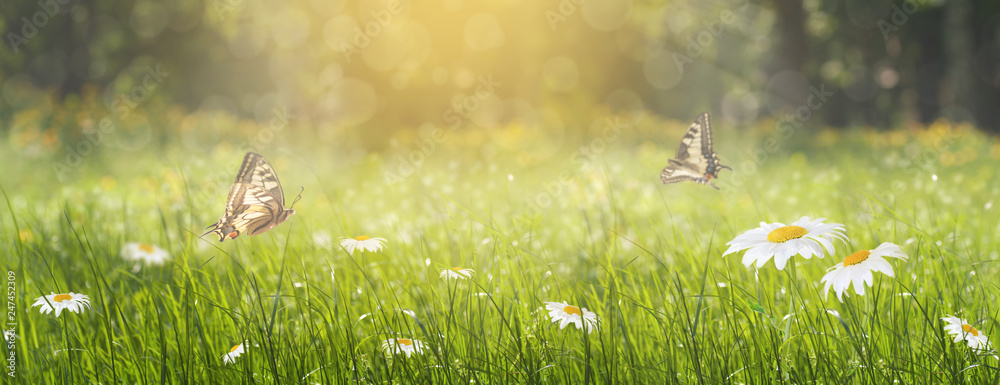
(398, 65)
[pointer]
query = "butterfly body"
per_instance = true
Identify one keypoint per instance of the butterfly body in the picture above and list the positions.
(696, 160)
(256, 202)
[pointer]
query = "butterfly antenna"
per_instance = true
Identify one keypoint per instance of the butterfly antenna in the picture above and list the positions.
(298, 197)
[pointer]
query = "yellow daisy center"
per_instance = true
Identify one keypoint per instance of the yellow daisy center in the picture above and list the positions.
(856, 258)
(404, 341)
(362, 238)
(971, 330)
(785, 234)
(145, 247)
(61, 297)
(234, 348)
(572, 310)
(457, 268)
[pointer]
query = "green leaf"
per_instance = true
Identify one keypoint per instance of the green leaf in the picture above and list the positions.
(757, 308)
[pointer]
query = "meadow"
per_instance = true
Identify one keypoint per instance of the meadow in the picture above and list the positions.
(582, 220)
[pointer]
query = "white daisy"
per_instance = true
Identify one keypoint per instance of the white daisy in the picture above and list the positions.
(234, 352)
(363, 243)
(456, 273)
(567, 314)
(802, 237)
(74, 302)
(858, 267)
(145, 252)
(402, 345)
(961, 330)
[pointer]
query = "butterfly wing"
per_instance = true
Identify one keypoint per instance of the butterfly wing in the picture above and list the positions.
(254, 211)
(256, 171)
(695, 160)
(679, 172)
(692, 144)
(684, 172)
(258, 213)
(255, 203)
(235, 198)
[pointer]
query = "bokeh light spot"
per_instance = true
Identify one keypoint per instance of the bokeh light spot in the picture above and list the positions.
(388, 49)
(149, 19)
(482, 32)
(290, 27)
(339, 32)
(399, 80)
(439, 76)
(560, 74)
(249, 43)
(350, 102)
(625, 100)
(606, 15)
(786, 90)
(661, 69)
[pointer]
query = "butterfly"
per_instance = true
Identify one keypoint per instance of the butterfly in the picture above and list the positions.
(256, 202)
(695, 160)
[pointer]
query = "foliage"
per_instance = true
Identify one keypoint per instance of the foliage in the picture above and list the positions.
(598, 231)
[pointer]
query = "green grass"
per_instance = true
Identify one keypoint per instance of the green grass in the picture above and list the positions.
(603, 234)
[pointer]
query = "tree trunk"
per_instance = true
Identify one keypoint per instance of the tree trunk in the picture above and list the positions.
(792, 48)
(958, 36)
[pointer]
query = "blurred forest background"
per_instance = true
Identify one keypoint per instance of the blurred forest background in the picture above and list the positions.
(393, 66)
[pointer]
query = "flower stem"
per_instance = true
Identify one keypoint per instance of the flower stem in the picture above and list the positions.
(69, 351)
(791, 302)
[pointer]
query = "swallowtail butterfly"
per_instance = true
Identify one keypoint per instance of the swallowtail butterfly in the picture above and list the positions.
(695, 160)
(256, 202)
